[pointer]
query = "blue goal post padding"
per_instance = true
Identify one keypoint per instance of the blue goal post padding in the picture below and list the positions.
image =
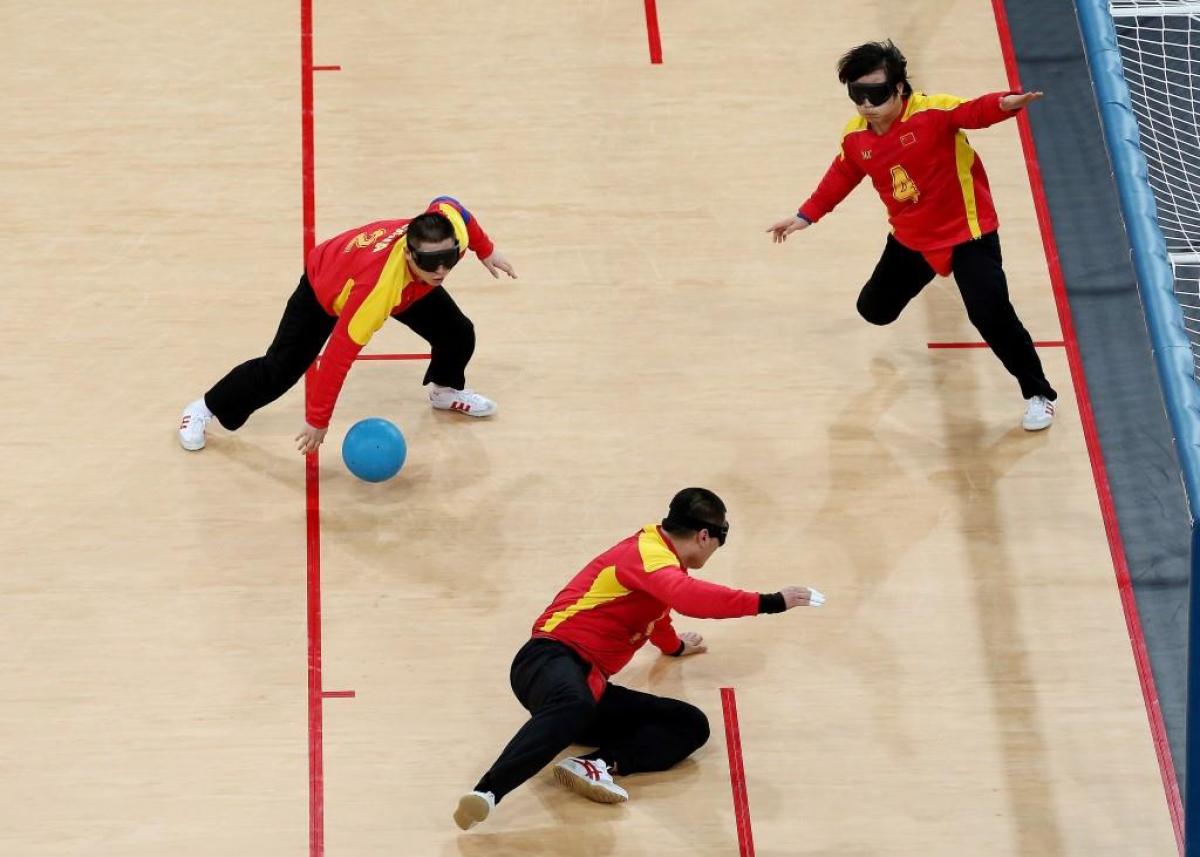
(1156, 279)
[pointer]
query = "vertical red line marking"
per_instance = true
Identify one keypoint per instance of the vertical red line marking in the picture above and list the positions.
(1116, 547)
(316, 761)
(652, 32)
(307, 156)
(737, 773)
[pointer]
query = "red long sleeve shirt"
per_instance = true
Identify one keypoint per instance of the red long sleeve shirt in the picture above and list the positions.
(925, 171)
(362, 277)
(624, 597)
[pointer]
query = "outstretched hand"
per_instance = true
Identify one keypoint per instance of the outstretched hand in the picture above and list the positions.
(801, 596)
(310, 439)
(781, 230)
(1017, 100)
(693, 644)
(496, 263)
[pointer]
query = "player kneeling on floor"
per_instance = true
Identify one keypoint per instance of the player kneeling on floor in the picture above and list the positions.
(591, 630)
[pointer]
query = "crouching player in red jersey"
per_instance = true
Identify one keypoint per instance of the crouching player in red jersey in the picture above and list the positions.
(939, 204)
(590, 631)
(352, 283)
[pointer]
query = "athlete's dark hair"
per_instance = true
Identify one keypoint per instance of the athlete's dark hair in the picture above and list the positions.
(690, 509)
(430, 228)
(873, 56)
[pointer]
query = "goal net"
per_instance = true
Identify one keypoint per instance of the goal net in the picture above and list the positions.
(1159, 41)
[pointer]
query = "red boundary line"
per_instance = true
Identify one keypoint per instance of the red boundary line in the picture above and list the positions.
(1099, 474)
(985, 345)
(327, 68)
(652, 33)
(316, 756)
(737, 773)
(337, 694)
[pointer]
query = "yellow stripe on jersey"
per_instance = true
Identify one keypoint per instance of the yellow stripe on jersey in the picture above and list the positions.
(374, 311)
(855, 125)
(964, 155)
(343, 296)
(964, 159)
(654, 551)
(919, 101)
(604, 588)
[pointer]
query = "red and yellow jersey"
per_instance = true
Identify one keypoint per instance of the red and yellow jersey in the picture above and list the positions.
(362, 277)
(624, 597)
(924, 169)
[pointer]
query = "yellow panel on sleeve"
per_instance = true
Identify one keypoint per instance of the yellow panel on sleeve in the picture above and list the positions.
(855, 125)
(858, 123)
(964, 159)
(919, 101)
(343, 295)
(456, 220)
(654, 551)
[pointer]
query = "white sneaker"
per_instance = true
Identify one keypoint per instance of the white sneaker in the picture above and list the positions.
(590, 778)
(464, 401)
(191, 427)
(1039, 413)
(473, 808)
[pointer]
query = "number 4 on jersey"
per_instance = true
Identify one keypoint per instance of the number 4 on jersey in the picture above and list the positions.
(903, 187)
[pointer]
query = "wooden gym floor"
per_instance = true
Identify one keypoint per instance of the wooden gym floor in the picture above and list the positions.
(968, 689)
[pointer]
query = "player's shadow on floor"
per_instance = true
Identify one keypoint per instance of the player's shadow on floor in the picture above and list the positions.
(402, 525)
(582, 829)
(581, 840)
(271, 456)
(997, 569)
(586, 829)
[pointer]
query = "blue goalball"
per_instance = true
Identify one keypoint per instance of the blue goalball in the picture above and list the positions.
(374, 449)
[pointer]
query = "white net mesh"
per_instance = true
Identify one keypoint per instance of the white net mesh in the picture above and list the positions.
(1187, 290)
(1133, 8)
(1160, 55)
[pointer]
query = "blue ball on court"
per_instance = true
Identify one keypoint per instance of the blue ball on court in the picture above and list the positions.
(374, 449)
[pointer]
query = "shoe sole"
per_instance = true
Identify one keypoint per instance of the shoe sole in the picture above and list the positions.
(1041, 427)
(472, 809)
(588, 789)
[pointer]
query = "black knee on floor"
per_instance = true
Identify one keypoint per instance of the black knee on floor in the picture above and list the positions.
(694, 724)
(874, 314)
